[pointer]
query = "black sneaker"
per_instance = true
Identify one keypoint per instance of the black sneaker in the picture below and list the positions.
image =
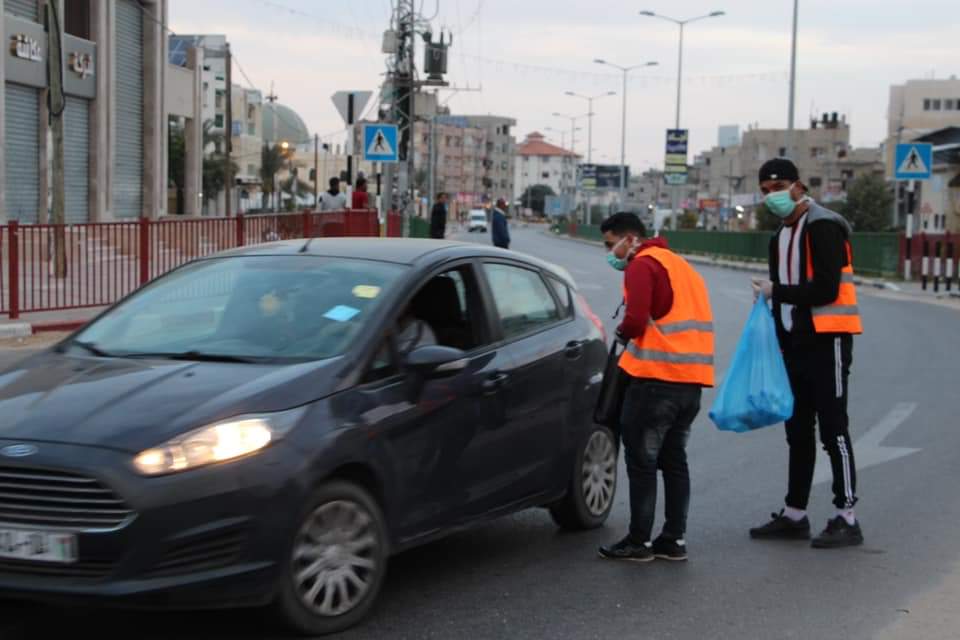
(783, 528)
(627, 549)
(839, 534)
(670, 549)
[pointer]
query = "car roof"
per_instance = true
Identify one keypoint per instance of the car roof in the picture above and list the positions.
(409, 251)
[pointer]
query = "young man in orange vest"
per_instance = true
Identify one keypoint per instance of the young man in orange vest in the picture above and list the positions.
(815, 308)
(668, 331)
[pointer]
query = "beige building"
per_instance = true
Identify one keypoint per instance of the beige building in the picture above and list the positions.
(824, 157)
(542, 163)
(459, 152)
(120, 93)
(919, 107)
(500, 154)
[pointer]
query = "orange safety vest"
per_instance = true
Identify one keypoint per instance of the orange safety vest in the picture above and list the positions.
(842, 315)
(679, 346)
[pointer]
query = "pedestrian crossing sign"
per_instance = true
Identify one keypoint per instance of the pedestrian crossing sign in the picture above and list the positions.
(913, 161)
(380, 142)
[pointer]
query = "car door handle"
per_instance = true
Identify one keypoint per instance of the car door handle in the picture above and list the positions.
(493, 383)
(574, 349)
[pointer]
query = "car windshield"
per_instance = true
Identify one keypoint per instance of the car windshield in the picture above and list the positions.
(257, 308)
(478, 215)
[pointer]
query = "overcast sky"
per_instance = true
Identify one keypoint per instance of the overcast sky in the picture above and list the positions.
(524, 54)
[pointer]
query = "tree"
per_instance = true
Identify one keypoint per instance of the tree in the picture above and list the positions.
(177, 163)
(688, 220)
(271, 161)
(535, 197)
(766, 221)
(868, 204)
(218, 172)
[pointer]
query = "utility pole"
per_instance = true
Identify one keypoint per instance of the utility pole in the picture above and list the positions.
(272, 99)
(228, 138)
(56, 103)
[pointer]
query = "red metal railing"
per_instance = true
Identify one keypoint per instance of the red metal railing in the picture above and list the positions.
(102, 262)
(394, 225)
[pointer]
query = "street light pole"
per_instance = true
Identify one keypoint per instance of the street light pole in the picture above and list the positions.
(623, 122)
(793, 80)
(681, 24)
(590, 115)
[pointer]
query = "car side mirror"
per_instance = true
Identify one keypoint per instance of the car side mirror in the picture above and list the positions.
(436, 362)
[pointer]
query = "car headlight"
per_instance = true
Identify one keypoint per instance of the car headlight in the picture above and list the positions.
(218, 442)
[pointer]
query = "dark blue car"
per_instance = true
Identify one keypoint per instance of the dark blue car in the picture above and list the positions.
(267, 426)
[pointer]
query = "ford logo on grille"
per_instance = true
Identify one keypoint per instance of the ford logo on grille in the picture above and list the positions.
(19, 450)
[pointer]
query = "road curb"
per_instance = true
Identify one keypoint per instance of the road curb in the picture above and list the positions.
(15, 330)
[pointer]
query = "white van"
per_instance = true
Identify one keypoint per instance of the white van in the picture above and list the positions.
(477, 220)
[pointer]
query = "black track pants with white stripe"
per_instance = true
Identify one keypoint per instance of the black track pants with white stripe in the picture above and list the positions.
(818, 375)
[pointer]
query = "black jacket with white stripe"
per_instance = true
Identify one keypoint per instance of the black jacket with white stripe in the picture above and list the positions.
(828, 232)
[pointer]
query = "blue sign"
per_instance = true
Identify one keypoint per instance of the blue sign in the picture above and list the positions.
(380, 143)
(913, 161)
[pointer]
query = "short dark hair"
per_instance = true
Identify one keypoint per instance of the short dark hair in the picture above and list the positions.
(334, 182)
(441, 195)
(361, 182)
(622, 223)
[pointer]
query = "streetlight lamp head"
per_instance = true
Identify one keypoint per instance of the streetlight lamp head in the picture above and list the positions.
(611, 93)
(652, 64)
(569, 93)
(716, 14)
(648, 13)
(600, 61)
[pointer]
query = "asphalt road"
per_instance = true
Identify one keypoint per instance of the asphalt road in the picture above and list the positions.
(520, 578)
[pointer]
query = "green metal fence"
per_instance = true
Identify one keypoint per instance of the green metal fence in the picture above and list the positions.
(874, 254)
(419, 228)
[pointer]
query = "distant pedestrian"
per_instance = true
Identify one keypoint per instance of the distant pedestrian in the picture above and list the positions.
(668, 331)
(361, 199)
(499, 227)
(333, 199)
(815, 309)
(438, 218)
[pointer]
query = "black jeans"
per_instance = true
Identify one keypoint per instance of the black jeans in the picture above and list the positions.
(655, 425)
(818, 376)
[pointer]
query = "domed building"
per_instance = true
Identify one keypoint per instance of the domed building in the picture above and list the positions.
(282, 124)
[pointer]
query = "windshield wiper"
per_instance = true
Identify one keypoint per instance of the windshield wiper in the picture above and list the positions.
(90, 348)
(196, 356)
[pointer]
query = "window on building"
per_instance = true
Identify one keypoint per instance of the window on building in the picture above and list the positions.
(506, 130)
(935, 105)
(926, 104)
(506, 148)
(816, 181)
(545, 175)
(782, 152)
(949, 105)
(503, 184)
(218, 121)
(251, 112)
(76, 18)
(817, 152)
(251, 128)
(220, 99)
(251, 170)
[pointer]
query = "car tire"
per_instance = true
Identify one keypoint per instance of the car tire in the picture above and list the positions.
(341, 529)
(593, 483)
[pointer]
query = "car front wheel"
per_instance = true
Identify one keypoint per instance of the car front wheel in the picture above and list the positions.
(336, 563)
(593, 483)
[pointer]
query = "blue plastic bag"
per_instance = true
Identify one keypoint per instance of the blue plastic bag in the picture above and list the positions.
(756, 391)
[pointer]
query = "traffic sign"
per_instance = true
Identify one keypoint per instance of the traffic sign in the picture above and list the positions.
(380, 142)
(913, 161)
(675, 160)
(341, 100)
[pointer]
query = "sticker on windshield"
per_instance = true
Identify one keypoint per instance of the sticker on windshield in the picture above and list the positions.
(341, 313)
(366, 291)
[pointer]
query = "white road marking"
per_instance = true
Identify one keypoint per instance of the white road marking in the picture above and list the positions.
(868, 450)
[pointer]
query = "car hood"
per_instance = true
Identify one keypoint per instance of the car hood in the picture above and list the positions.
(131, 404)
